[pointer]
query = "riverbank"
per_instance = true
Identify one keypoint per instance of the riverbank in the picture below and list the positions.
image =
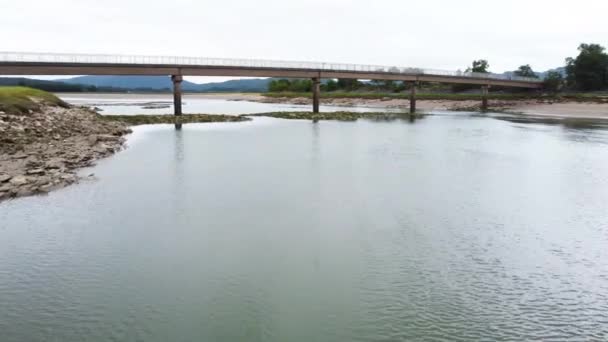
(563, 106)
(589, 106)
(44, 141)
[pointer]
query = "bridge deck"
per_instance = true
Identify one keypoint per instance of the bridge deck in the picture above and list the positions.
(17, 63)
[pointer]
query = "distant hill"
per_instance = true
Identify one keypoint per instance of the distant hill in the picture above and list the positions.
(128, 82)
(159, 83)
(257, 85)
(45, 85)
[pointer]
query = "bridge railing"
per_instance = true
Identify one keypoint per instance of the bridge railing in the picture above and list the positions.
(248, 63)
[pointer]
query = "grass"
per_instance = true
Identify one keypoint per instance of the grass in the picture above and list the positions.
(22, 100)
(338, 116)
(577, 97)
(135, 120)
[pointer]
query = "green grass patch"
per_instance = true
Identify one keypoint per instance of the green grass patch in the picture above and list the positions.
(337, 116)
(135, 120)
(22, 100)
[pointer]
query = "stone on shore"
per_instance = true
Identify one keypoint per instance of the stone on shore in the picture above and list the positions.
(19, 180)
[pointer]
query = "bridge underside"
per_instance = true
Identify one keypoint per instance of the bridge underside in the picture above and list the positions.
(25, 68)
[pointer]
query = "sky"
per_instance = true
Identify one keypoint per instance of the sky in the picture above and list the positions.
(437, 34)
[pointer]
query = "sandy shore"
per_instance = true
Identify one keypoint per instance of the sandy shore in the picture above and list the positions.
(563, 110)
(526, 107)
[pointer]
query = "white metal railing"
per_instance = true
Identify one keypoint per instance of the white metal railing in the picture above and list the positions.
(231, 62)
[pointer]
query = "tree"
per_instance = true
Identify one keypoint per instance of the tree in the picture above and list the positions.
(525, 71)
(290, 85)
(553, 81)
(398, 86)
(481, 65)
(279, 85)
(589, 70)
(301, 86)
(331, 85)
(348, 84)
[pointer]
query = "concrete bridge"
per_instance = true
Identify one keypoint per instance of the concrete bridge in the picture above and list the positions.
(22, 63)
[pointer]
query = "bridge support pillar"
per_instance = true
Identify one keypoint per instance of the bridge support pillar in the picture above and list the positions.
(316, 94)
(484, 97)
(413, 92)
(177, 94)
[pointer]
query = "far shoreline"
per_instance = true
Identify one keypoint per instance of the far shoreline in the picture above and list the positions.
(529, 106)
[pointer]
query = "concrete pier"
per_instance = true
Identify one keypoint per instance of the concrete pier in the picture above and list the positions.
(484, 97)
(177, 94)
(413, 92)
(316, 94)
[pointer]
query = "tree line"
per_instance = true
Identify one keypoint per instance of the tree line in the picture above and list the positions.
(586, 72)
(340, 84)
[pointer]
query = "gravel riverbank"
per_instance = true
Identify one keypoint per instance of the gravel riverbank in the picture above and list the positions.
(42, 150)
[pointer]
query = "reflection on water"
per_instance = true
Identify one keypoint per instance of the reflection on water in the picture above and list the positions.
(453, 228)
(576, 129)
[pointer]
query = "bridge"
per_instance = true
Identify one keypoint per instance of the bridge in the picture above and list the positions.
(24, 63)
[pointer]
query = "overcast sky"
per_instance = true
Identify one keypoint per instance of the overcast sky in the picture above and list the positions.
(441, 34)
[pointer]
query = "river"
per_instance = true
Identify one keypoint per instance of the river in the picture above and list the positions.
(452, 227)
(128, 104)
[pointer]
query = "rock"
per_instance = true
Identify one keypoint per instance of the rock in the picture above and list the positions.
(43, 180)
(35, 172)
(5, 178)
(19, 155)
(107, 137)
(68, 177)
(25, 192)
(33, 162)
(92, 140)
(6, 195)
(46, 188)
(19, 180)
(101, 148)
(55, 164)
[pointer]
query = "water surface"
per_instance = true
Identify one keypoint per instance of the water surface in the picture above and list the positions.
(449, 228)
(126, 104)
